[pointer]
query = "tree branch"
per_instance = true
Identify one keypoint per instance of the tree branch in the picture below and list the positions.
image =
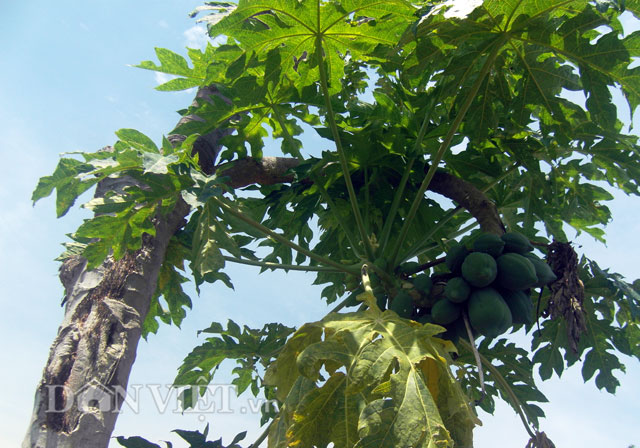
(273, 170)
(466, 195)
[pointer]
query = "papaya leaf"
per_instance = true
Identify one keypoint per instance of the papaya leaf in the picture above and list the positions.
(206, 258)
(170, 289)
(138, 442)
(137, 140)
(195, 439)
(68, 183)
(249, 347)
(170, 63)
(302, 28)
(376, 382)
(514, 365)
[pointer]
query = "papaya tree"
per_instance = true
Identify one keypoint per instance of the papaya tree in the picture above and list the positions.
(465, 140)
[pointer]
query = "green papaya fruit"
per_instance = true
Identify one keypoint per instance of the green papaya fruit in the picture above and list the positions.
(516, 242)
(489, 314)
(479, 269)
(543, 270)
(352, 282)
(455, 257)
(444, 312)
(520, 305)
(515, 272)
(489, 243)
(409, 267)
(402, 304)
(457, 290)
(425, 319)
(507, 322)
(423, 283)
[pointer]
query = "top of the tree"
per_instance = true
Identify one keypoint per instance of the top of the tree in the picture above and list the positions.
(505, 108)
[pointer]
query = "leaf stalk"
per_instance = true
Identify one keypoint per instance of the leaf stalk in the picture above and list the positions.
(504, 385)
(287, 267)
(281, 239)
(444, 146)
(340, 150)
(388, 224)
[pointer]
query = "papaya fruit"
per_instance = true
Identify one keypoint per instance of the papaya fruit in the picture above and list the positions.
(479, 269)
(409, 267)
(423, 283)
(516, 242)
(425, 319)
(402, 304)
(489, 314)
(444, 312)
(455, 257)
(457, 290)
(489, 243)
(543, 270)
(507, 322)
(520, 305)
(515, 272)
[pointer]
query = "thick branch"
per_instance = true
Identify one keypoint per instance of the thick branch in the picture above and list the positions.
(273, 170)
(467, 196)
(265, 171)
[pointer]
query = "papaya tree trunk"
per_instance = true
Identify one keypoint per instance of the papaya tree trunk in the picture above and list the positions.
(86, 375)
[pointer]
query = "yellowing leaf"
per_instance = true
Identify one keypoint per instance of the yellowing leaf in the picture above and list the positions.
(389, 385)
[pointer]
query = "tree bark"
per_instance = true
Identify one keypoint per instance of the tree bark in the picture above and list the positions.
(86, 375)
(85, 379)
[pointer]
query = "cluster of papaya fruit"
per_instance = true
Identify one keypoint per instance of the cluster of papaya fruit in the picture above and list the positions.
(492, 283)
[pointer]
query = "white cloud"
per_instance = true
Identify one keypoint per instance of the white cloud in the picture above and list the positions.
(161, 78)
(196, 37)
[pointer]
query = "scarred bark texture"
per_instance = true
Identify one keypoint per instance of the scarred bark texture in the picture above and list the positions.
(89, 363)
(86, 375)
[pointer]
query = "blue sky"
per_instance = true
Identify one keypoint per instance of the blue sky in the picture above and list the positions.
(66, 86)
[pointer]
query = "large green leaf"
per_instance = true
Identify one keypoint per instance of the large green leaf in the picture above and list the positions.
(303, 29)
(389, 384)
